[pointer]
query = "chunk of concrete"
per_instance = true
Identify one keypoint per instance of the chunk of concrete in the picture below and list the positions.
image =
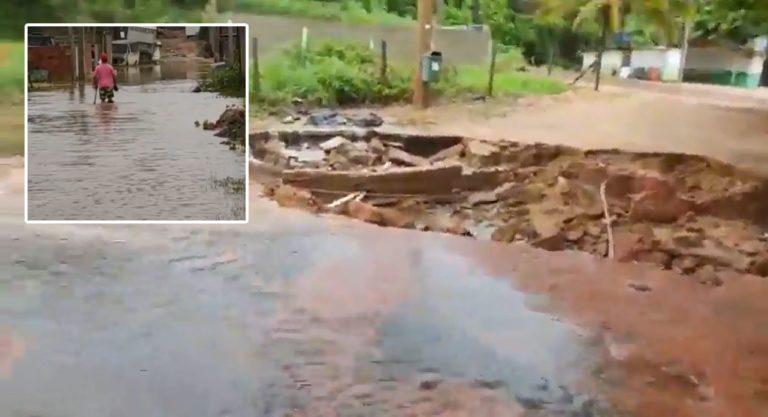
(334, 143)
(402, 157)
(416, 180)
(454, 152)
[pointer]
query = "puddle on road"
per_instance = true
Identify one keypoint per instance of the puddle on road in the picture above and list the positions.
(140, 158)
(466, 325)
(388, 327)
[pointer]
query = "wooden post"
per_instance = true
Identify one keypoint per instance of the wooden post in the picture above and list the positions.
(684, 51)
(475, 12)
(423, 42)
(230, 45)
(492, 71)
(213, 35)
(110, 35)
(72, 52)
(383, 73)
(241, 49)
(81, 65)
(256, 81)
(601, 50)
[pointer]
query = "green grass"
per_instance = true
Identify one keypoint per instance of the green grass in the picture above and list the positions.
(348, 11)
(473, 80)
(11, 69)
(11, 98)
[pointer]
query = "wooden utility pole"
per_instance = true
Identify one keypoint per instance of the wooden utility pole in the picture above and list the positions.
(72, 52)
(423, 45)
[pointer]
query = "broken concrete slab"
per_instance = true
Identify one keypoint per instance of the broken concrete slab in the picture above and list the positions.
(417, 180)
(454, 152)
(402, 157)
(334, 143)
(481, 154)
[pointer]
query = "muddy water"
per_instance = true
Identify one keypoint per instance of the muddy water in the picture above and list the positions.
(140, 158)
(309, 318)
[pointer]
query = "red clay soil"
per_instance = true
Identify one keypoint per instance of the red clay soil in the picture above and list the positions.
(679, 349)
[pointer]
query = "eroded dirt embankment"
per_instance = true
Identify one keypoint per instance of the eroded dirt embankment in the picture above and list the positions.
(690, 214)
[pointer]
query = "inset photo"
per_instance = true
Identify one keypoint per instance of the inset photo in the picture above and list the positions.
(136, 123)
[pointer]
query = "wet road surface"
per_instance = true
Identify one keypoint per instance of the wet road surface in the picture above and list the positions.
(140, 158)
(295, 315)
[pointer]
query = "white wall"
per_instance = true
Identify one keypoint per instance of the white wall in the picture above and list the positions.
(655, 58)
(611, 60)
(666, 60)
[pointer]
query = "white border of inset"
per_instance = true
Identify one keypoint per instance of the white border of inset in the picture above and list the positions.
(247, 122)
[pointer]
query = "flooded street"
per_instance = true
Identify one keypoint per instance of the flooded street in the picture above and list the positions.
(141, 158)
(262, 322)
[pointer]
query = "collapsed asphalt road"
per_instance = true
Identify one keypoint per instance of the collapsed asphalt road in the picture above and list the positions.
(296, 315)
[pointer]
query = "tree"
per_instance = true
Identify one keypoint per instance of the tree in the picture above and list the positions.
(662, 14)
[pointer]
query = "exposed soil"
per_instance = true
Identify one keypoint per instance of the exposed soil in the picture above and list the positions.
(230, 125)
(694, 215)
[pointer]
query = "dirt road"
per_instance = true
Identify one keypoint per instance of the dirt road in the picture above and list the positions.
(726, 123)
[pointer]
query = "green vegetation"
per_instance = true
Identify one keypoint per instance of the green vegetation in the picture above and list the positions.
(468, 80)
(12, 92)
(350, 11)
(228, 81)
(17, 12)
(11, 70)
(329, 74)
(349, 74)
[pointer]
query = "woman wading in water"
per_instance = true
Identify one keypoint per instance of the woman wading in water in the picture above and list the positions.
(105, 79)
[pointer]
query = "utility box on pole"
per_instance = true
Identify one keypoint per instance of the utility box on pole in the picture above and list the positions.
(431, 65)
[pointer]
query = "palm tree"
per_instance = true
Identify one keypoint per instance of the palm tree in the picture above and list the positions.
(663, 14)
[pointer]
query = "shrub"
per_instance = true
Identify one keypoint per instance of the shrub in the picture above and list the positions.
(228, 81)
(330, 74)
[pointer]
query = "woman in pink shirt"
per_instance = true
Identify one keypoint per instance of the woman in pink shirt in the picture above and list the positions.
(105, 79)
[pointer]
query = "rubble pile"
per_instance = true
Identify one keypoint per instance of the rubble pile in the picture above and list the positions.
(230, 125)
(694, 215)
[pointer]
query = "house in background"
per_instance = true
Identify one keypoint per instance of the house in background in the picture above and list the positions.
(719, 63)
(707, 61)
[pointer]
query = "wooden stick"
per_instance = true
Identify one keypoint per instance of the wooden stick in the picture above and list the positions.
(492, 69)
(349, 197)
(608, 221)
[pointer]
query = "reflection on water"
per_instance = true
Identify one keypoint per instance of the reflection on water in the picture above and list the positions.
(140, 158)
(162, 72)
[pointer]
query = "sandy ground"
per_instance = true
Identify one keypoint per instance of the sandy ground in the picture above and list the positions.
(730, 124)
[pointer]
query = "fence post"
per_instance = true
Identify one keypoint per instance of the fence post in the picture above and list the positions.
(492, 70)
(304, 38)
(256, 81)
(384, 64)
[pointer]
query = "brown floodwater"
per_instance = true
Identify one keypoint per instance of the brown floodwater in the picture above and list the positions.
(141, 158)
